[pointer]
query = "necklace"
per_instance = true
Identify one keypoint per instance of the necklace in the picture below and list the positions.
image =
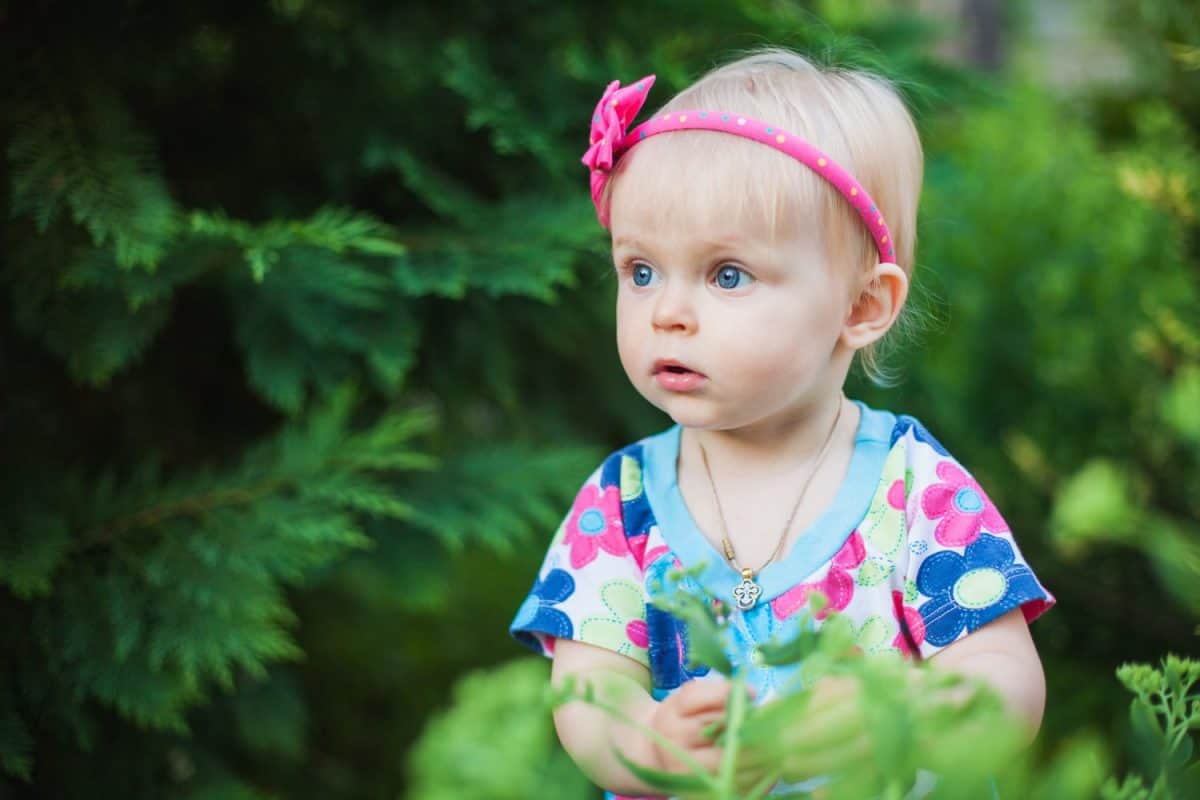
(747, 592)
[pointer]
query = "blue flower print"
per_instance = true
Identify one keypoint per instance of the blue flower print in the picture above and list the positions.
(905, 423)
(538, 613)
(624, 469)
(972, 589)
(667, 634)
(668, 650)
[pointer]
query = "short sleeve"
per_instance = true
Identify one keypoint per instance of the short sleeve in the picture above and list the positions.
(964, 566)
(590, 587)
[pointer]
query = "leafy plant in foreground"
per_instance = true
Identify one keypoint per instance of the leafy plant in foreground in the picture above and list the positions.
(1164, 712)
(852, 726)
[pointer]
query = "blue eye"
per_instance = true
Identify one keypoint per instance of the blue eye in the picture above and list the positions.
(731, 277)
(642, 275)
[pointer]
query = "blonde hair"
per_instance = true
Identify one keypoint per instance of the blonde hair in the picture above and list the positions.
(855, 116)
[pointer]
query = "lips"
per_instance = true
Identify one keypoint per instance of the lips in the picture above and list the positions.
(675, 376)
(673, 366)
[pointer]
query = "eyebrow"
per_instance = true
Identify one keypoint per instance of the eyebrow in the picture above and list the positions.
(709, 244)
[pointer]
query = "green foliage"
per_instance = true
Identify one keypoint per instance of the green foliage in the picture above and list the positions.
(1164, 712)
(496, 741)
(16, 746)
(902, 719)
(159, 587)
(332, 229)
(897, 720)
(218, 217)
(1115, 462)
(99, 165)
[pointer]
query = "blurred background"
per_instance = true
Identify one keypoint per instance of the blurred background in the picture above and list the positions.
(307, 344)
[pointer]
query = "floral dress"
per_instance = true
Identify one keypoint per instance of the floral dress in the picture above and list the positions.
(911, 550)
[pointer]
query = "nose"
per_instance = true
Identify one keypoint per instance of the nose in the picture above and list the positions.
(674, 309)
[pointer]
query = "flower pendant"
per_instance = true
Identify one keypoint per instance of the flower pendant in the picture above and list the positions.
(746, 593)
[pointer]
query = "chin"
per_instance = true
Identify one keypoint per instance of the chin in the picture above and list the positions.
(690, 412)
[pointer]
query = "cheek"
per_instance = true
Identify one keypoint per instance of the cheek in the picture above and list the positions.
(786, 342)
(628, 338)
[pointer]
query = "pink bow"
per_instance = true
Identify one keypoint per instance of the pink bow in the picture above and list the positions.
(614, 113)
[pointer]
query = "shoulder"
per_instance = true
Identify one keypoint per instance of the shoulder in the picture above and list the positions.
(912, 432)
(909, 443)
(920, 477)
(944, 503)
(613, 507)
(626, 468)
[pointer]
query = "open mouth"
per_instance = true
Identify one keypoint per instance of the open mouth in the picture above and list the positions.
(676, 377)
(672, 367)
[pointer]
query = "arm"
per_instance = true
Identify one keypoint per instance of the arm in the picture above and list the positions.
(589, 734)
(1001, 654)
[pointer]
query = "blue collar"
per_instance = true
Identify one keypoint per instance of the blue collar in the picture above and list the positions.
(814, 547)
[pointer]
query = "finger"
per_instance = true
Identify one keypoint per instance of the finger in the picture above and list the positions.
(708, 757)
(703, 728)
(713, 729)
(690, 731)
(701, 695)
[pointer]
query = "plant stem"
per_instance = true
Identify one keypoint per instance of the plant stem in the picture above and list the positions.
(762, 787)
(735, 716)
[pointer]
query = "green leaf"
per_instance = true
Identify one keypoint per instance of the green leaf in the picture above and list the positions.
(706, 635)
(668, 782)
(36, 541)
(493, 741)
(16, 747)
(332, 229)
(1147, 742)
(95, 162)
(89, 322)
(1180, 403)
(1096, 504)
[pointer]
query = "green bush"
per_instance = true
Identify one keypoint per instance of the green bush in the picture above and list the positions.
(309, 335)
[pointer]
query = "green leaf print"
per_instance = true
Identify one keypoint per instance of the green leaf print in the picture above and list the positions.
(875, 570)
(875, 635)
(627, 613)
(883, 526)
(631, 479)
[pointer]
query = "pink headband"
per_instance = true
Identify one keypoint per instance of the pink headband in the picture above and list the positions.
(609, 140)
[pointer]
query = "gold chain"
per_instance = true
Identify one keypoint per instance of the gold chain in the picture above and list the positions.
(726, 544)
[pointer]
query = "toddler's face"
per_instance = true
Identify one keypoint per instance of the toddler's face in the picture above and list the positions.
(723, 325)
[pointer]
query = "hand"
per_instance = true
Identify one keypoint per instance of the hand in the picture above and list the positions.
(693, 718)
(684, 717)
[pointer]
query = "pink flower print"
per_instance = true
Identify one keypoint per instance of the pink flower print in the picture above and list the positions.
(912, 626)
(961, 506)
(852, 554)
(837, 585)
(638, 632)
(654, 554)
(637, 548)
(896, 495)
(595, 525)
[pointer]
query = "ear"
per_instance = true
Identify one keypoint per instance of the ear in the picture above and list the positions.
(883, 293)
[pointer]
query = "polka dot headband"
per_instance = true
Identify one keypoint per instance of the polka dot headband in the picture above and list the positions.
(610, 138)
